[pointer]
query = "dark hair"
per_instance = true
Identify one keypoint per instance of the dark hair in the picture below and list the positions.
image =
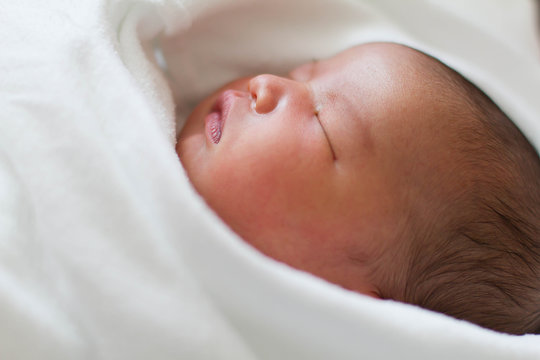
(477, 256)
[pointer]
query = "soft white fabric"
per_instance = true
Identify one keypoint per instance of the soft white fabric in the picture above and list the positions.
(106, 252)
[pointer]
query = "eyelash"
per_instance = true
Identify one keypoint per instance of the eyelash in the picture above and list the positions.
(316, 113)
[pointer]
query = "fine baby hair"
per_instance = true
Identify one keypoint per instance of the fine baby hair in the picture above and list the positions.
(477, 257)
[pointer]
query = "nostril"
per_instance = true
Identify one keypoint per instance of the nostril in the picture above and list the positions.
(253, 101)
(265, 101)
(252, 90)
(265, 91)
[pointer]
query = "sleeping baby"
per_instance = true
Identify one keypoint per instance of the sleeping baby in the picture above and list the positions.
(383, 171)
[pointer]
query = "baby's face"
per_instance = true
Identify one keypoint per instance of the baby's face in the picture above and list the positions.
(317, 168)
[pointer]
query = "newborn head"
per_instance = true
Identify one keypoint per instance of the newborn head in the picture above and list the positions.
(371, 170)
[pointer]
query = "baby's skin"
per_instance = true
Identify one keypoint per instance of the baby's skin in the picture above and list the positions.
(319, 168)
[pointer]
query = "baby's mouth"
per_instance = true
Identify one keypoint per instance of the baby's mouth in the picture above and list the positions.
(215, 120)
(214, 125)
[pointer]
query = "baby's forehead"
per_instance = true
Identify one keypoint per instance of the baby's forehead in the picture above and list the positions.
(390, 63)
(383, 73)
(372, 55)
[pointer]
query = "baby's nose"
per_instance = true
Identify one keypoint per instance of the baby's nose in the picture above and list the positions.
(266, 91)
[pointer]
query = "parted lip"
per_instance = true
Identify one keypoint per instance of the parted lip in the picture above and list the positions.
(219, 113)
(224, 102)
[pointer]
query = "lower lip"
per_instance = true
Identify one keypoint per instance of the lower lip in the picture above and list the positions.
(215, 120)
(214, 126)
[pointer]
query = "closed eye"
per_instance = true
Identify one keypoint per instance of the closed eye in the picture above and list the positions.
(316, 113)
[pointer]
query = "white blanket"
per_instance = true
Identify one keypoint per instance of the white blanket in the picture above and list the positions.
(106, 252)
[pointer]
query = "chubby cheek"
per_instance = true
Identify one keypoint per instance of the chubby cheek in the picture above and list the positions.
(267, 186)
(285, 210)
